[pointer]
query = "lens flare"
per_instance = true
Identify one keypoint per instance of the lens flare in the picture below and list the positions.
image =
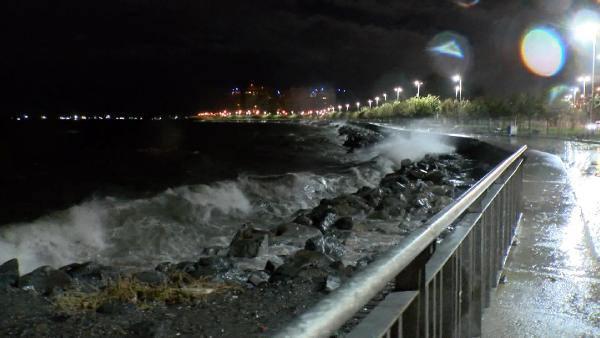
(543, 51)
(449, 53)
(558, 92)
(467, 4)
(450, 48)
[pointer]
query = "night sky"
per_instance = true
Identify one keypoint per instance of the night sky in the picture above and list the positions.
(185, 55)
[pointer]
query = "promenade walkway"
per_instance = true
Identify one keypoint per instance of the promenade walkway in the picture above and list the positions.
(552, 277)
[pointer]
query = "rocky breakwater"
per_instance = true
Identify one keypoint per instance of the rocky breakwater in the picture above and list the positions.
(266, 276)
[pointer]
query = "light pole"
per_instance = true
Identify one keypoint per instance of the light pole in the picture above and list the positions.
(376, 101)
(584, 80)
(588, 31)
(370, 103)
(418, 84)
(384, 96)
(347, 107)
(456, 91)
(357, 106)
(575, 90)
(398, 90)
(458, 78)
(340, 108)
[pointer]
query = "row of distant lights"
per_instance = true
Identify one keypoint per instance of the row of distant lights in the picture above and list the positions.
(256, 112)
(96, 117)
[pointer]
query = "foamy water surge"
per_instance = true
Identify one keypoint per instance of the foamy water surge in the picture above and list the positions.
(176, 224)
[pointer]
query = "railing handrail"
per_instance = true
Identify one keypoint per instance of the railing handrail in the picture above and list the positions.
(333, 311)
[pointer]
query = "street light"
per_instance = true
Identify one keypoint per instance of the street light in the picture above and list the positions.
(583, 79)
(418, 84)
(575, 90)
(458, 78)
(384, 96)
(588, 31)
(357, 106)
(347, 107)
(376, 101)
(340, 108)
(370, 103)
(398, 90)
(456, 91)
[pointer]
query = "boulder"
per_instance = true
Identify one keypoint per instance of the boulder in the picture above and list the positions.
(114, 307)
(349, 205)
(436, 176)
(249, 242)
(344, 223)
(417, 173)
(92, 273)
(323, 216)
(357, 137)
(258, 278)
(371, 196)
(9, 273)
(293, 234)
(165, 267)
(302, 260)
(405, 163)
(211, 266)
(332, 283)
(46, 280)
(303, 220)
(273, 264)
(328, 244)
(151, 277)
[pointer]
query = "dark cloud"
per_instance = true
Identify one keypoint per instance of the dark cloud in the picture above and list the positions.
(151, 55)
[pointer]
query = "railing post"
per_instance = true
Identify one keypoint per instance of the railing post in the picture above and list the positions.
(467, 319)
(412, 278)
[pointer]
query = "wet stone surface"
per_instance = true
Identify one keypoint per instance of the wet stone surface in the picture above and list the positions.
(552, 277)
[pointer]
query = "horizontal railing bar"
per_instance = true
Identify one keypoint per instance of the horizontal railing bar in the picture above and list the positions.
(445, 249)
(381, 319)
(333, 311)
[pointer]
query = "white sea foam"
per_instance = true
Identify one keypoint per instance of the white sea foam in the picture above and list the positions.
(176, 224)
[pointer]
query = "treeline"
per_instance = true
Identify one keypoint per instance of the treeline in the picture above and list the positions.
(518, 108)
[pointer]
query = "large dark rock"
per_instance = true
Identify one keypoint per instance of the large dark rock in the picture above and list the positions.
(114, 307)
(332, 283)
(301, 261)
(349, 205)
(436, 176)
(151, 277)
(211, 266)
(394, 205)
(46, 280)
(165, 267)
(258, 278)
(357, 137)
(344, 223)
(419, 173)
(323, 216)
(9, 273)
(92, 274)
(303, 219)
(328, 244)
(249, 242)
(293, 234)
(371, 196)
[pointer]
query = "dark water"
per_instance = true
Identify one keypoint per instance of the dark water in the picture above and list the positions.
(138, 193)
(49, 166)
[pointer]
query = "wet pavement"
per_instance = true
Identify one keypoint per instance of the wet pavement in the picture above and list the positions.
(552, 284)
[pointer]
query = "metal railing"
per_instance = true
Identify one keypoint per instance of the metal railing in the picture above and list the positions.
(440, 289)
